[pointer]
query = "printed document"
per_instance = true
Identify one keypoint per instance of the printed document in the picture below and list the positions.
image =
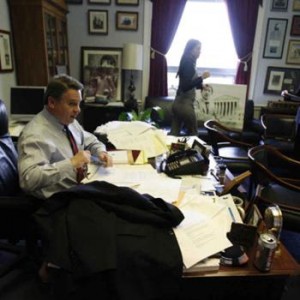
(203, 231)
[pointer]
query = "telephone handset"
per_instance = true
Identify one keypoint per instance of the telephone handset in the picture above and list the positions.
(186, 162)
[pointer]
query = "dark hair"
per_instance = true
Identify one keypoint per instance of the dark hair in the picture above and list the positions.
(190, 45)
(3, 119)
(59, 85)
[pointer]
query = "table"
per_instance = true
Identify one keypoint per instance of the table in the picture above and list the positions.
(244, 282)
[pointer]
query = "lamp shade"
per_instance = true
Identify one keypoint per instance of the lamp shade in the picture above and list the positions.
(132, 57)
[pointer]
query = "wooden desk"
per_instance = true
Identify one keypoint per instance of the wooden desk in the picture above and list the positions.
(244, 282)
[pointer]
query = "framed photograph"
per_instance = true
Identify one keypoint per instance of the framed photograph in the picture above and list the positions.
(295, 28)
(296, 5)
(101, 70)
(279, 79)
(127, 2)
(279, 5)
(98, 21)
(99, 1)
(275, 36)
(6, 64)
(293, 53)
(126, 20)
(74, 1)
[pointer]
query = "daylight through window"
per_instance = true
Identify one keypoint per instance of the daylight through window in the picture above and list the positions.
(207, 21)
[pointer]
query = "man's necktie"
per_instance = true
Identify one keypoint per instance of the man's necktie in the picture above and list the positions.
(80, 171)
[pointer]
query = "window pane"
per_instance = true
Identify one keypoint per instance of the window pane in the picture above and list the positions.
(207, 21)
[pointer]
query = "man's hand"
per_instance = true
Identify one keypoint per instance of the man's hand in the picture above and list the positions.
(106, 159)
(81, 159)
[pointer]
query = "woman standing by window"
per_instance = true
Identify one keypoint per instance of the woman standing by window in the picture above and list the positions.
(183, 106)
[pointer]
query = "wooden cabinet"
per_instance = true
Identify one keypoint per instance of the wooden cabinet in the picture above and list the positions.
(39, 30)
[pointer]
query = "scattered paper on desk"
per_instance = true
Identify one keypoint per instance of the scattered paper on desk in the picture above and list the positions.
(203, 231)
(128, 157)
(121, 157)
(135, 135)
(143, 178)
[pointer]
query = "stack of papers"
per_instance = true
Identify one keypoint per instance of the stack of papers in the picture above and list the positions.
(142, 178)
(203, 231)
(135, 135)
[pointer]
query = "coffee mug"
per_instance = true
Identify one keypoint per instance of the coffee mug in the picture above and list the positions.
(239, 203)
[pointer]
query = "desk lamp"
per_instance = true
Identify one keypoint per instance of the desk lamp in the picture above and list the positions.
(133, 61)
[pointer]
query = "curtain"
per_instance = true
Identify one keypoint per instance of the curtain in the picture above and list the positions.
(243, 18)
(166, 15)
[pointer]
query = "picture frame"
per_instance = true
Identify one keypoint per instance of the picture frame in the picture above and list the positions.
(275, 36)
(127, 20)
(127, 2)
(104, 2)
(279, 79)
(74, 1)
(101, 71)
(6, 61)
(279, 5)
(296, 5)
(98, 21)
(293, 53)
(295, 28)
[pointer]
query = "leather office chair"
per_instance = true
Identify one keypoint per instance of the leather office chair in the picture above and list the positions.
(15, 208)
(277, 180)
(279, 132)
(227, 145)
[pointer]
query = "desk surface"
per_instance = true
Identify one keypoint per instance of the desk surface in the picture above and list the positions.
(283, 265)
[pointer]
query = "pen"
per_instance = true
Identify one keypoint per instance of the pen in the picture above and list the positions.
(231, 214)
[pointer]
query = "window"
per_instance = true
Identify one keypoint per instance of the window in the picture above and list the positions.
(207, 21)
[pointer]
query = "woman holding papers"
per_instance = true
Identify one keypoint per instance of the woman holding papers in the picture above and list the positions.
(183, 106)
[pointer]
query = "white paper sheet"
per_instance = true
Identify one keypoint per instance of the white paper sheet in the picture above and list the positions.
(203, 231)
(142, 178)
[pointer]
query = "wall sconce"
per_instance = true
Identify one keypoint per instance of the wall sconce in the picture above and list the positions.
(132, 61)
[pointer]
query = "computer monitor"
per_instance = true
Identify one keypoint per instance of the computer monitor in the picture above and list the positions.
(26, 102)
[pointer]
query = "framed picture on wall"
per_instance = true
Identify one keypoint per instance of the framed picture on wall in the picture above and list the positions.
(127, 20)
(99, 1)
(295, 28)
(6, 64)
(279, 79)
(127, 2)
(98, 21)
(101, 70)
(279, 5)
(296, 5)
(293, 53)
(275, 36)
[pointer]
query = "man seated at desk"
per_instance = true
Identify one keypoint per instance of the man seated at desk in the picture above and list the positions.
(48, 161)
(105, 233)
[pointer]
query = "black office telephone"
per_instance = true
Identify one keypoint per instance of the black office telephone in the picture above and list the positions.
(186, 162)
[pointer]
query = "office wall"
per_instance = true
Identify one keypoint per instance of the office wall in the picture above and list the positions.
(261, 64)
(7, 79)
(79, 36)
